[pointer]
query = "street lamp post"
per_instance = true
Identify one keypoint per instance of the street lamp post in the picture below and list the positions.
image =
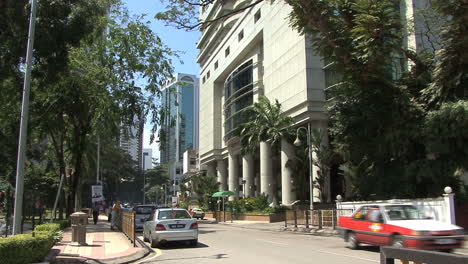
(298, 142)
(144, 177)
(243, 188)
(19, 190)
(165, 191)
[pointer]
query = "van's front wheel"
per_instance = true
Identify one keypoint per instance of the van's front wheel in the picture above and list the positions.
(352, 241)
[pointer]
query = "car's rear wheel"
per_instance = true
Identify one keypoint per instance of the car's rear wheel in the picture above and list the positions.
(352, 241)
(154, 243)
(194, 242)
(398, 242)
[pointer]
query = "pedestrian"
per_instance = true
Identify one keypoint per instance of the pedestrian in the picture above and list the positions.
(95, 212)
(115, 214)
(109, 212)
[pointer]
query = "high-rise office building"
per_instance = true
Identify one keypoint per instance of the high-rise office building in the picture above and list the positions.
(257, 53)
(179, 123)
(147, 159)
(131, 140)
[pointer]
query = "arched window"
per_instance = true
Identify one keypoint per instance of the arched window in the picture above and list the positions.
(238, 94)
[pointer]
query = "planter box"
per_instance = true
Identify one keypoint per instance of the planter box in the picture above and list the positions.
(270, 218)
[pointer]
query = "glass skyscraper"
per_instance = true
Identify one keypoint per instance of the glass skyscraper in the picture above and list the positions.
(179, 123)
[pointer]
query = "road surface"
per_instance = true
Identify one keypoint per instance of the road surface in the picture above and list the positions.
(226, 244)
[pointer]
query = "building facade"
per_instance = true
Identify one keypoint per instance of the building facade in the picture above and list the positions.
(251, 54)
(131, 140)
(147, 159)
(179, 124)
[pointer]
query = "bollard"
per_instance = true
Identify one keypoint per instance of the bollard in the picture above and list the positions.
(295, 218)
(78, 223)
(320, 219)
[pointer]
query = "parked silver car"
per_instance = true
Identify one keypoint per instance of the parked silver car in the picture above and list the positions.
(170, 224)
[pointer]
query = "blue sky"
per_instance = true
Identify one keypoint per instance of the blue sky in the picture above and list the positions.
(179, 40)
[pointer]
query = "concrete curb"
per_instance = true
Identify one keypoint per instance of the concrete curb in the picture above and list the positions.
(130, 258)
(70, 258)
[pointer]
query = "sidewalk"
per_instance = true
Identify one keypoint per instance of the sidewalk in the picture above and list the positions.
(278, 227)
(104, 246)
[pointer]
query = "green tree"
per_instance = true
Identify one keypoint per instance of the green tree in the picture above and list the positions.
(203, 186)
(71, 22)
(266, 123)
(83, 83)
(155, 179)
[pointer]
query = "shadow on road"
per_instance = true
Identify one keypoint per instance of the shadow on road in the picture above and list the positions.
(215, 256)
(178, 245)
(369, 248)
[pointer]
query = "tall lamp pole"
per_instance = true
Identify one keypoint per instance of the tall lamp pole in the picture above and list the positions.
(165, 191)
(18, 208)
(298, 142)
(144, 177)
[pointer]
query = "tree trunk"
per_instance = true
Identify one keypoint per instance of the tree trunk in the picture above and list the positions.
(80, 146)
(62, 200)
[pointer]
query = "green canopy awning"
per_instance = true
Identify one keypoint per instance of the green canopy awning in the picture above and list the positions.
(223, 194)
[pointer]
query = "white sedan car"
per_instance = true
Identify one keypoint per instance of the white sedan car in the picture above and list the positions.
(170, 224)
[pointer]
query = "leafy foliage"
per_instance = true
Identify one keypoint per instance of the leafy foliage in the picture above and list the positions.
(25, 248)
(379, 122)
(267, 123)
(252, 204)
(83, 86)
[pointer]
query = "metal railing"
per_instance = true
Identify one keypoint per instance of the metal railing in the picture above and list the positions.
(314, 218)
(127, 220)
(405, 255)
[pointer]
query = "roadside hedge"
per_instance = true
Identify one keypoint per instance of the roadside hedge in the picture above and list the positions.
(24, 248)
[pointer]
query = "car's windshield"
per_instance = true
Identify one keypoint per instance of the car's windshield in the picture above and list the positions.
(404, 212)
(173, 214)
(144, 210)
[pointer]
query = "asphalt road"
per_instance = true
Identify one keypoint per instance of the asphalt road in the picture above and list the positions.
(230, 244)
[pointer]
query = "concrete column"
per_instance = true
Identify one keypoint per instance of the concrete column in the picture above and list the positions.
(449, 206)
(211, 169)
(222, 174)
(248, 173)
(266, 171)
(287, 185)
(233, 176)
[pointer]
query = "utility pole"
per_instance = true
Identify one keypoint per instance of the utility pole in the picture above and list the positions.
(98, 158)
(18, 211)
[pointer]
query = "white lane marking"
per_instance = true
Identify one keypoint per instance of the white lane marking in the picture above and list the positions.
(272, 242)
(344, 255)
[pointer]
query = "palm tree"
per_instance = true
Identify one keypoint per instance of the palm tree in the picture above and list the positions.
(267, 123)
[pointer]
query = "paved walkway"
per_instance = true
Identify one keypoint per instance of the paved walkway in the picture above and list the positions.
(104, 246)
(279, 226)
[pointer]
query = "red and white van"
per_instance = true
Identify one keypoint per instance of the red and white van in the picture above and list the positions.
(399, 225)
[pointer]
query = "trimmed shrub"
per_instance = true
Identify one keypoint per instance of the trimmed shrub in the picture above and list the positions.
(25, 248)
(51, 229)
(63, 223)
